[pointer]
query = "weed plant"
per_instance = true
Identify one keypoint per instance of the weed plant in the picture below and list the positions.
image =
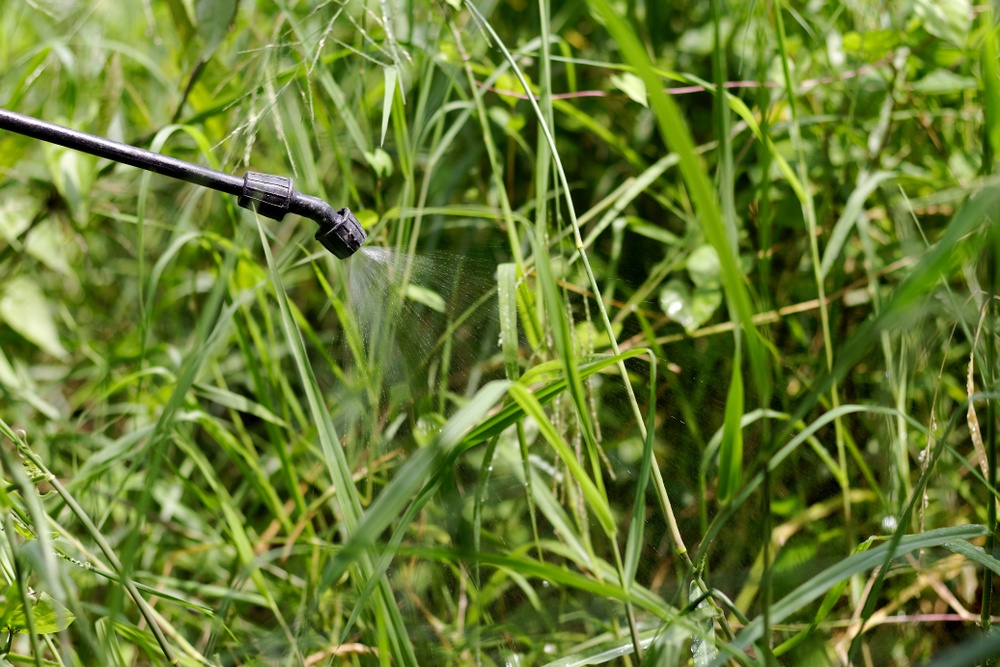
(674, 340)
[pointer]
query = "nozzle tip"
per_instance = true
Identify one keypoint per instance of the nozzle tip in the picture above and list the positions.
(341, 233)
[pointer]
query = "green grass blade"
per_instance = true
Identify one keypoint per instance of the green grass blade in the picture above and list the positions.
(731, 449)
(849, 216)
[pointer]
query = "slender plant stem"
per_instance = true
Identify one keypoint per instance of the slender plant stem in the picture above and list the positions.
(629, 611)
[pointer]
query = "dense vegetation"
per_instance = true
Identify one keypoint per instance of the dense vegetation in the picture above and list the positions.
(704, 377)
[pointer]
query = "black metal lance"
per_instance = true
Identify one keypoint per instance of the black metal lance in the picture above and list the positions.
(271, 196)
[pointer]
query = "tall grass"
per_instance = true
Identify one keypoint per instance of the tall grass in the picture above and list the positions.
(569, 405)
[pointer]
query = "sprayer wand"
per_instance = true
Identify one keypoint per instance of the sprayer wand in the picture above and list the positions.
(271, 196)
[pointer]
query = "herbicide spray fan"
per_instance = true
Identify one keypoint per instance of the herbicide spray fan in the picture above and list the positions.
(271, 196)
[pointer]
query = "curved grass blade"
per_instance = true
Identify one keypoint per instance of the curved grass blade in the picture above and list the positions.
(849, 216)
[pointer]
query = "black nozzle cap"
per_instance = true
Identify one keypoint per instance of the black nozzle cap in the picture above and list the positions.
(344, 236)
(339, 231)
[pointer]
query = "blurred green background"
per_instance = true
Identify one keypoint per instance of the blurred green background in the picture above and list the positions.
(253, 432)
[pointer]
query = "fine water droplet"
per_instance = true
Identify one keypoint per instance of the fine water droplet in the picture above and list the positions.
(889, 524)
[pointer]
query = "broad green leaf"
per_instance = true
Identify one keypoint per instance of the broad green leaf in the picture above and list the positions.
(944, 82)
(49, 243)
(72, 173)
(704, 302)
(687, 308)
(16, 213)
(25, 309)
(675, 301)
(380, 162)
(50, 616)
(427, 428)
(367, 218)
(703, 266)
(183, 13)
(700, 40)
(872, 45)
(632, 86)
(511, 83)
(947, 19)
(426, 296)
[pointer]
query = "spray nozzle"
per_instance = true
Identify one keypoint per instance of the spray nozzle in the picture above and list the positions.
(271, 196)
